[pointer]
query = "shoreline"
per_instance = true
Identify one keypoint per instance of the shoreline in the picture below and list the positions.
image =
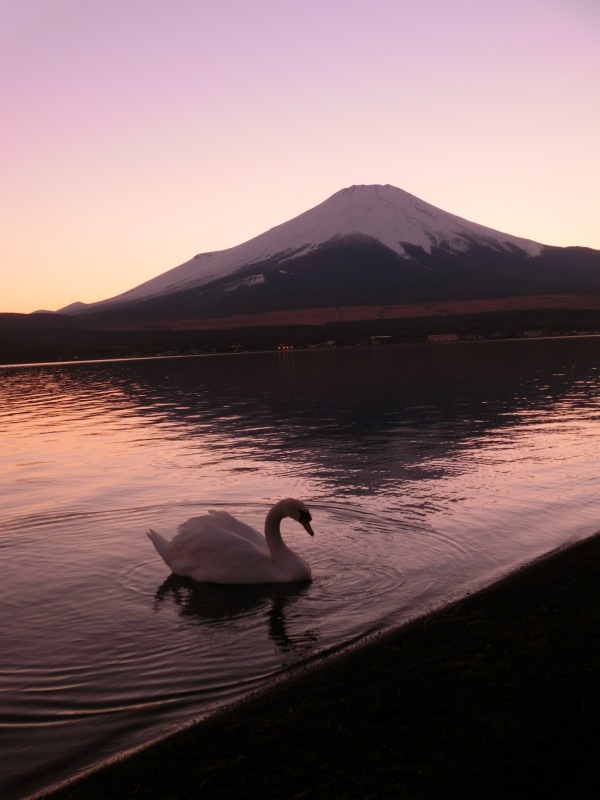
(493, 695)
(298, 349)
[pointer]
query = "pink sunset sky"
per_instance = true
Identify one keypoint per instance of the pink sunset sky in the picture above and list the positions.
(137, 133)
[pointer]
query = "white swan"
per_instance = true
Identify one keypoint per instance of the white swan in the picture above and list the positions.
(218, 548)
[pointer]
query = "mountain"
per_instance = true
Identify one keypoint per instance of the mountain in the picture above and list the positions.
(370, 260)
(359, 217)
(364, 246)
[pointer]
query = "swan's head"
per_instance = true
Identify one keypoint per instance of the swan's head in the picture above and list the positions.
(298, 511)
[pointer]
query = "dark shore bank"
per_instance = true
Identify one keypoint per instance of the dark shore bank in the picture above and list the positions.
(495, 696)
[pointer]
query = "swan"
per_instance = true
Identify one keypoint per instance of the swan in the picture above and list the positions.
(218, 548)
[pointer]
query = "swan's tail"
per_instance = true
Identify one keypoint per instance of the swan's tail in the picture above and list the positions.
(162, 546)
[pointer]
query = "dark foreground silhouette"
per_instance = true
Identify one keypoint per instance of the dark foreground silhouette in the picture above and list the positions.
(496, 696)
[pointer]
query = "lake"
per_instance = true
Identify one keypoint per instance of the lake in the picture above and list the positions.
(429, 470)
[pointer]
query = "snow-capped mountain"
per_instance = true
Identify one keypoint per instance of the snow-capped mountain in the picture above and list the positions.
(364, 245)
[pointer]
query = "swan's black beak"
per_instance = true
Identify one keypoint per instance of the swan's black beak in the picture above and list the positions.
(304, 519)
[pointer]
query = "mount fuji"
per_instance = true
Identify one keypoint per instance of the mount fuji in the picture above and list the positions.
(360, 254)
(370, 261)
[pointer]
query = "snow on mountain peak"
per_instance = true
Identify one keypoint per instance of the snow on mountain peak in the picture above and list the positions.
(395, 217)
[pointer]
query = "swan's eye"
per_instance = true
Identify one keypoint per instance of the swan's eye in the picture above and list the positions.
(303, 516)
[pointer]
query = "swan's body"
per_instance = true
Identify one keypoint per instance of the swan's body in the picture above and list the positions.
(218, 548)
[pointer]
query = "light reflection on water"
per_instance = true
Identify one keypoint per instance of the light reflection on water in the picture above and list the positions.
(427, 469)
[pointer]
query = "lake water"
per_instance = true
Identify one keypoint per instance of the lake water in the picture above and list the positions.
(429, 469)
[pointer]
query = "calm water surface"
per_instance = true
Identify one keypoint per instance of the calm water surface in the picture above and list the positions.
(429, 470)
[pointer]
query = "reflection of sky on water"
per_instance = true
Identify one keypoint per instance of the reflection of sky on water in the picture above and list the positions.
(411, 430)
(427, 469)
(360, 420)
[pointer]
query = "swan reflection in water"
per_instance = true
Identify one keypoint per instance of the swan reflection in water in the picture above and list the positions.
(218, 605)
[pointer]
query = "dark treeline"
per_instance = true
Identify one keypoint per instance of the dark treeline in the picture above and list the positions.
(52, 337)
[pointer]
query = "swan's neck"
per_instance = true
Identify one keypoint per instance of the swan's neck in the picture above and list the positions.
(277, 546)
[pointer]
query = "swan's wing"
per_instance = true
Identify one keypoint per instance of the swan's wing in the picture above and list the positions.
(194, 528)
(207, 552)
(230, 523)
(207, 533)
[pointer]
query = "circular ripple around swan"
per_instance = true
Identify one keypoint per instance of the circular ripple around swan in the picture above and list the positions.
(364, 563)
(203, 643)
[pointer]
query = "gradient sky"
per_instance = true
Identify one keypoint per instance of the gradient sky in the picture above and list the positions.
(137, 133)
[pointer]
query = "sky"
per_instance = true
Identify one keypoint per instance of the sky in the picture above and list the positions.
(138, 133)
